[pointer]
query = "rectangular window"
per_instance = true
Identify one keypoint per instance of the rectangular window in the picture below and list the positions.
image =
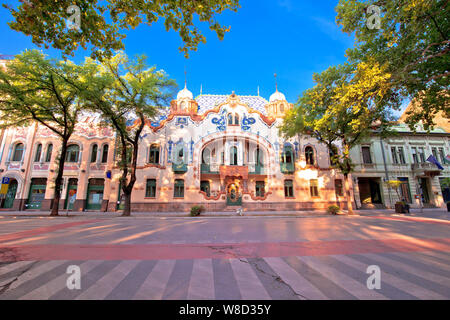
(367, 158)
(205, 187)
(394, 155)
(314, 187)
(434, 152)
(178, 191)
(259, 188)
(422, 154)
(441, 155)
(414, 154)
(404, 190)
(288, 189)
(150, 190)
(338, 187)
(401, 155)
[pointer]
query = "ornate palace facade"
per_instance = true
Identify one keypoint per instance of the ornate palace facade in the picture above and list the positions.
(221, 151)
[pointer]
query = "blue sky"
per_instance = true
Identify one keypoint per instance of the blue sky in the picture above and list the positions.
(292, 38)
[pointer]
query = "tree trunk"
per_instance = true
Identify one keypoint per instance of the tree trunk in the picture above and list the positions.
(129, 188)
(58, 180)
(348, 197)
(127, 206)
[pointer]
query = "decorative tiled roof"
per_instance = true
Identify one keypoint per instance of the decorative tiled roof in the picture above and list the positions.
(210, 101)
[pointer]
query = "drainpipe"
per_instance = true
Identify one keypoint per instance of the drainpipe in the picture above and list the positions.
(386, 170)
(2, 146)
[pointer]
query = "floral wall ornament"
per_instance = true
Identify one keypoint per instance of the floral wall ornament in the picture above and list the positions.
(247, 122)
(220, 121)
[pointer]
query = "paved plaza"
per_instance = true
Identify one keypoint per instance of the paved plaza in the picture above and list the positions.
(225, 257)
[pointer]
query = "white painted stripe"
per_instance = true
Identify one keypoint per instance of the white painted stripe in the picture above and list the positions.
(201, 285)
(406, 286)
(411, 269)
(425, 258)
(347, 283)
(36, 271)
(153, 287)
(248, 282)
(298, 283)
(14, 266)
(50, 288)
(438, 254)
(108, 282)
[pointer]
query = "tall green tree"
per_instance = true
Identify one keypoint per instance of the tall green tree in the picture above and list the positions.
(128, 94)
(412, 40)
(343, 108)
(102, 22)
(34, 89)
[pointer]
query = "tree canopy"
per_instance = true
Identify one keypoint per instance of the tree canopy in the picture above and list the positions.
(34, 89)
(103, 22)
(128, 94)
(347, 102)
(412, 43)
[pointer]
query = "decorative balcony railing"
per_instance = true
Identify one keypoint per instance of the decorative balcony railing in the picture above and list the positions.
(179, 167)
(256, 169)
(287, 167)
(209, 168)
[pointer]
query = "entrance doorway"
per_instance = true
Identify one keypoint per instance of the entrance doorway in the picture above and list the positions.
(234, 196)
(71, 193)
(424, 188)
(37, 193)
(95, 194)
(369, 191)
(8, 202)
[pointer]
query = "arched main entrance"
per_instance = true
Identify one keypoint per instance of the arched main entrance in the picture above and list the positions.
(234, 194)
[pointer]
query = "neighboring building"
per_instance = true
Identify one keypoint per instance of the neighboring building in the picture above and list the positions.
(402, 157)
(221, 151)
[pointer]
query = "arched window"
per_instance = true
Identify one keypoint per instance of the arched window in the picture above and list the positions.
(233, 156)
(37, 156)
(309, 155)
(206, 156)
(18, 152)
(154, 154)
(94, 153)
(48, 156)
(287, 156)
(72, 153)
(236, 119)
(230, 119)
(105, 153)
(183, 106)
(281, 107)
(333, 152)
(258, 157)
(179, 155)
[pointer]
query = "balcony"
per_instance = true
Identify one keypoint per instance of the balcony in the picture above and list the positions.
(179, 167)
(256, 169)
(425, 169)
(207, 168)
(287, 168)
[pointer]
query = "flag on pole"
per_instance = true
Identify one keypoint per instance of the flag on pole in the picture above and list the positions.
(432, 159)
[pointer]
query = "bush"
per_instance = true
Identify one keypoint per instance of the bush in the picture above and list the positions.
(333, 209)
(196, 210)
